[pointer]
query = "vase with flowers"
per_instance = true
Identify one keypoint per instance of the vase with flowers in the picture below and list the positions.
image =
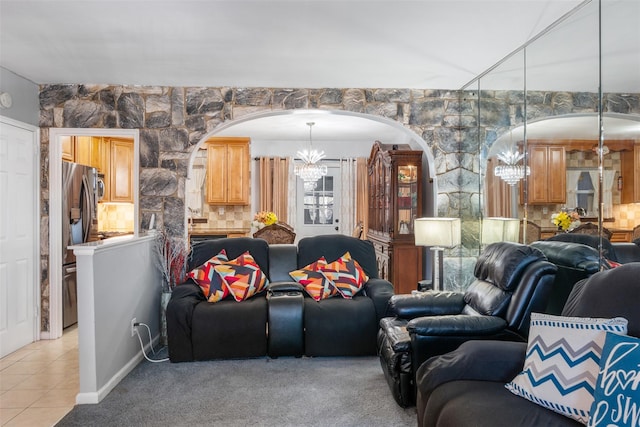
(263, 218)
(566, 220)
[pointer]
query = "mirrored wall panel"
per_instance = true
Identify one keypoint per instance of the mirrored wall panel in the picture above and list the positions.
(557, 126)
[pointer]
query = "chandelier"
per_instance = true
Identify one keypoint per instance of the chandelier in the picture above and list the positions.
(511, 172)
(310, 171)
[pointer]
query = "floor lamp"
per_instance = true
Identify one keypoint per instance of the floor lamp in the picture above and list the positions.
(500, 230)
(438, 233)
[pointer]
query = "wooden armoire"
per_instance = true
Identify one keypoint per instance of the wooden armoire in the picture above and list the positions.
(395, 201)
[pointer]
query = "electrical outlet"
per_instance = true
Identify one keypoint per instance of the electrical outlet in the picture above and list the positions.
(133, 326)
(545, 210)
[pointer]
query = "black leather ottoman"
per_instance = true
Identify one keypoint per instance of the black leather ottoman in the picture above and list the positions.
(285, 335)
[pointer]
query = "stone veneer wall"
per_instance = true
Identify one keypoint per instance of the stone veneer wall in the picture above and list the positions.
(173, 120)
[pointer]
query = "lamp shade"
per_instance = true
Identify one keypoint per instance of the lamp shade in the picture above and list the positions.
(441, 232)
(500, 230)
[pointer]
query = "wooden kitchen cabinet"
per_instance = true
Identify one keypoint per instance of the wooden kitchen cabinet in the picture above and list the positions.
(395, 201)
(630, 172)
(121, 170)
(87, 151)
(68, 148)
(547, 181)
(228, 170)
(116, 164)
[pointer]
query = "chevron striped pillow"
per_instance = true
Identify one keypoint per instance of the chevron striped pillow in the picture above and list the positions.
(561, 364)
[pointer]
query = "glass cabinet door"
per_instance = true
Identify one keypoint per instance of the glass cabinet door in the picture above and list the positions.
(407, 199)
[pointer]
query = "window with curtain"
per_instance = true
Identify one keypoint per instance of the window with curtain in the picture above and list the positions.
(582, 190)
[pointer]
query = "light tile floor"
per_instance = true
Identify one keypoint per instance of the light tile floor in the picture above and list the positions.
(39, 382)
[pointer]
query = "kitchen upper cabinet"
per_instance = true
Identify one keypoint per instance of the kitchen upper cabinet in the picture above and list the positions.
(87, 151)
(228, 167)
(121, 170)
(116, 164)
(68, 148)
(630, 172)
(547, 182)
(84, 150)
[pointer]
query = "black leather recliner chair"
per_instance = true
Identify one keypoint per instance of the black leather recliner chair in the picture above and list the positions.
(466, 386)
(575, 262)
(512, 280)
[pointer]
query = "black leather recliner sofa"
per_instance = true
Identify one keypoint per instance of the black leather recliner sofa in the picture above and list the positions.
(467, 386)
(575, 262)
(621, 252)
(283, 321)
(512, 280)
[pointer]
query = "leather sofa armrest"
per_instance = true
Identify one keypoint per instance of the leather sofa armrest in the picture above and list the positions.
(627, 252)
(430, 303)
(379, 290)
(184, 299)
(465, 325)
(188, 289)
(498, 361)
(285, 287)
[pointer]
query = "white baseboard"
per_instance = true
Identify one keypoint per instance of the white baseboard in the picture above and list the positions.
(91, 398)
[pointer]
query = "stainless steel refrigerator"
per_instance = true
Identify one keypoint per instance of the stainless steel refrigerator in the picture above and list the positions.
(79, 225)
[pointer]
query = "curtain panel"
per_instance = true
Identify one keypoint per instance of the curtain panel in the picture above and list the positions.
(362, 195)
(497, 195)
(274, 186)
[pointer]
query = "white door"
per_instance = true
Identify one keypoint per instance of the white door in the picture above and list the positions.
(18, 241)
(320, 207)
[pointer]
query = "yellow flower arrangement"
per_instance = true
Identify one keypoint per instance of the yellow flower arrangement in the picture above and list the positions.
(263, 218)
(566, 221)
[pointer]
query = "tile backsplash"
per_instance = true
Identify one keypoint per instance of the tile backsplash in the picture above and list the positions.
(115, 217)
(233, 217)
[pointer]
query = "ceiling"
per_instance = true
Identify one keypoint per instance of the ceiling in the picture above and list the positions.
(428, 44)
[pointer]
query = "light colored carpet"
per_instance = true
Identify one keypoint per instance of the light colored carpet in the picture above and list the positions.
(254, 392)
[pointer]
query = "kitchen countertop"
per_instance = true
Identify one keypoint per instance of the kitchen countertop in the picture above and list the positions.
(109, 234)
(218, 231)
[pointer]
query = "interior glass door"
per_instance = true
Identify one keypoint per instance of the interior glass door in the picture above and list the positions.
(318, 208)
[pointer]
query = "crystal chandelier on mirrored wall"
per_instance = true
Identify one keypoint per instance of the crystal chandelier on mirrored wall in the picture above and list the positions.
(511, 172)
(310, 171)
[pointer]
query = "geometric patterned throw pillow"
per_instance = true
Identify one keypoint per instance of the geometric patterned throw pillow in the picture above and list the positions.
(313, 281)
(242, 276)
(617, 395)
(562, 362)
(210, 281)
(346, 274)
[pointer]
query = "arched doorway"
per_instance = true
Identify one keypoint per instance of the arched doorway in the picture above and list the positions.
(338, 133)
